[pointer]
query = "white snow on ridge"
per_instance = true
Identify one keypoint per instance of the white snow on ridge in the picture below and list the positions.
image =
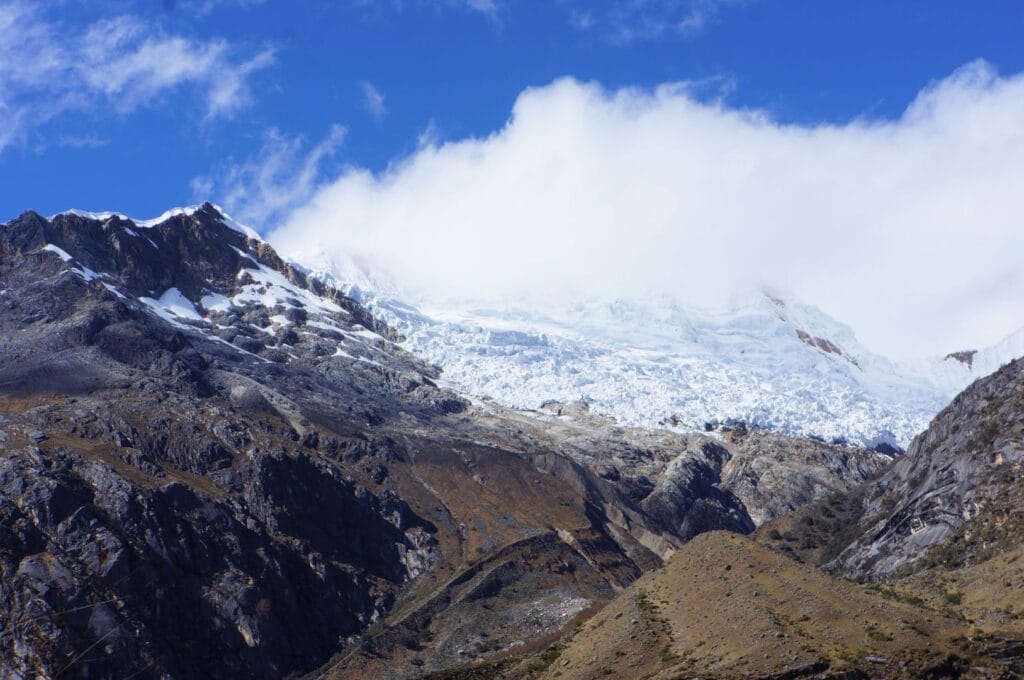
(173, 306)
(89, 215)
(61, 253)
(173, 212)
(271, 291)
(271, 288)
(114, 290)
(86, 273)
(215, 302)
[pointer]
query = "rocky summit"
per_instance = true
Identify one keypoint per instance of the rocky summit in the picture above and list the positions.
(213, 464)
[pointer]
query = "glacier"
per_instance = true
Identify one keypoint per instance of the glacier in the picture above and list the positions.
(766, 359)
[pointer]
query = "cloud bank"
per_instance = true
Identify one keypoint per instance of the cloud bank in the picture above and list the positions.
(911, 230)
(120, 64)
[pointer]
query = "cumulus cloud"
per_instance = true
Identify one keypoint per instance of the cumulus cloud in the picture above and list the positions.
(909, 229)
(282, 176)
(121, 63)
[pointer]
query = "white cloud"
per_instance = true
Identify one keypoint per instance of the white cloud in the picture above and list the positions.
(910, 229)
(489, 8)
(582, 21)
(625, 21)
(121, 63)
(430, 135)
(81, 141)
(204, 7)
(373, 101)
(282, 176)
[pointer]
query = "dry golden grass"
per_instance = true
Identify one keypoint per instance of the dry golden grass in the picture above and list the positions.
(989, 597)
(725, 606)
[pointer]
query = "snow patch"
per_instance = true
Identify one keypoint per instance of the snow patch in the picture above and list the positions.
(270, 289)
(173, 306)
(244, 254)
(215, 302)
(113, 290)
(86, 273)
(61, 253)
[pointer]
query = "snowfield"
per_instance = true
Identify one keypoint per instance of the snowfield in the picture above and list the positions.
(767, 360)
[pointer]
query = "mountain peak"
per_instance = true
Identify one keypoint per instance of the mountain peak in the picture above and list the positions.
(208, 210)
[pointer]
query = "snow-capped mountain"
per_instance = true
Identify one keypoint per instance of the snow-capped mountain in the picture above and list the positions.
(186, 412)
(767, 359)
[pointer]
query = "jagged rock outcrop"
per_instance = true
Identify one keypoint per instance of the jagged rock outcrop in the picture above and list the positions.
(739, 477)
(960, 468)
(774, 475)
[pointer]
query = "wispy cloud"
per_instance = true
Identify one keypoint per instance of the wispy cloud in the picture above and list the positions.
(625, 21)
(910, 229)
(581, 20)
(281, 176)
(120, 64)
(492, 9)
(430, 135)
(373, 100)
(204, 7)
(489, 7)
(81, 141)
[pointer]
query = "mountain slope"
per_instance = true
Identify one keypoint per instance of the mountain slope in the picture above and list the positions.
(943, 526)
(724, 607)
(964, 471)
(215, 465)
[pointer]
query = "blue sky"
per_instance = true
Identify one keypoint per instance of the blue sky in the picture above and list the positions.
(452, 68)
(864, 156)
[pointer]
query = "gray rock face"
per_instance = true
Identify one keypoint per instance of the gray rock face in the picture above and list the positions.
(179, 516)
(691, 498)
(953, 471)
(90, 555)
(687, 484)
(774, 475)
(213, 466)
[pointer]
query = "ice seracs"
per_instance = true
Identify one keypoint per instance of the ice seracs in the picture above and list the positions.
(767, 360)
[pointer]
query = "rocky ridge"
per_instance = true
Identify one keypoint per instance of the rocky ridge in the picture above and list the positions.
(962, 471)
